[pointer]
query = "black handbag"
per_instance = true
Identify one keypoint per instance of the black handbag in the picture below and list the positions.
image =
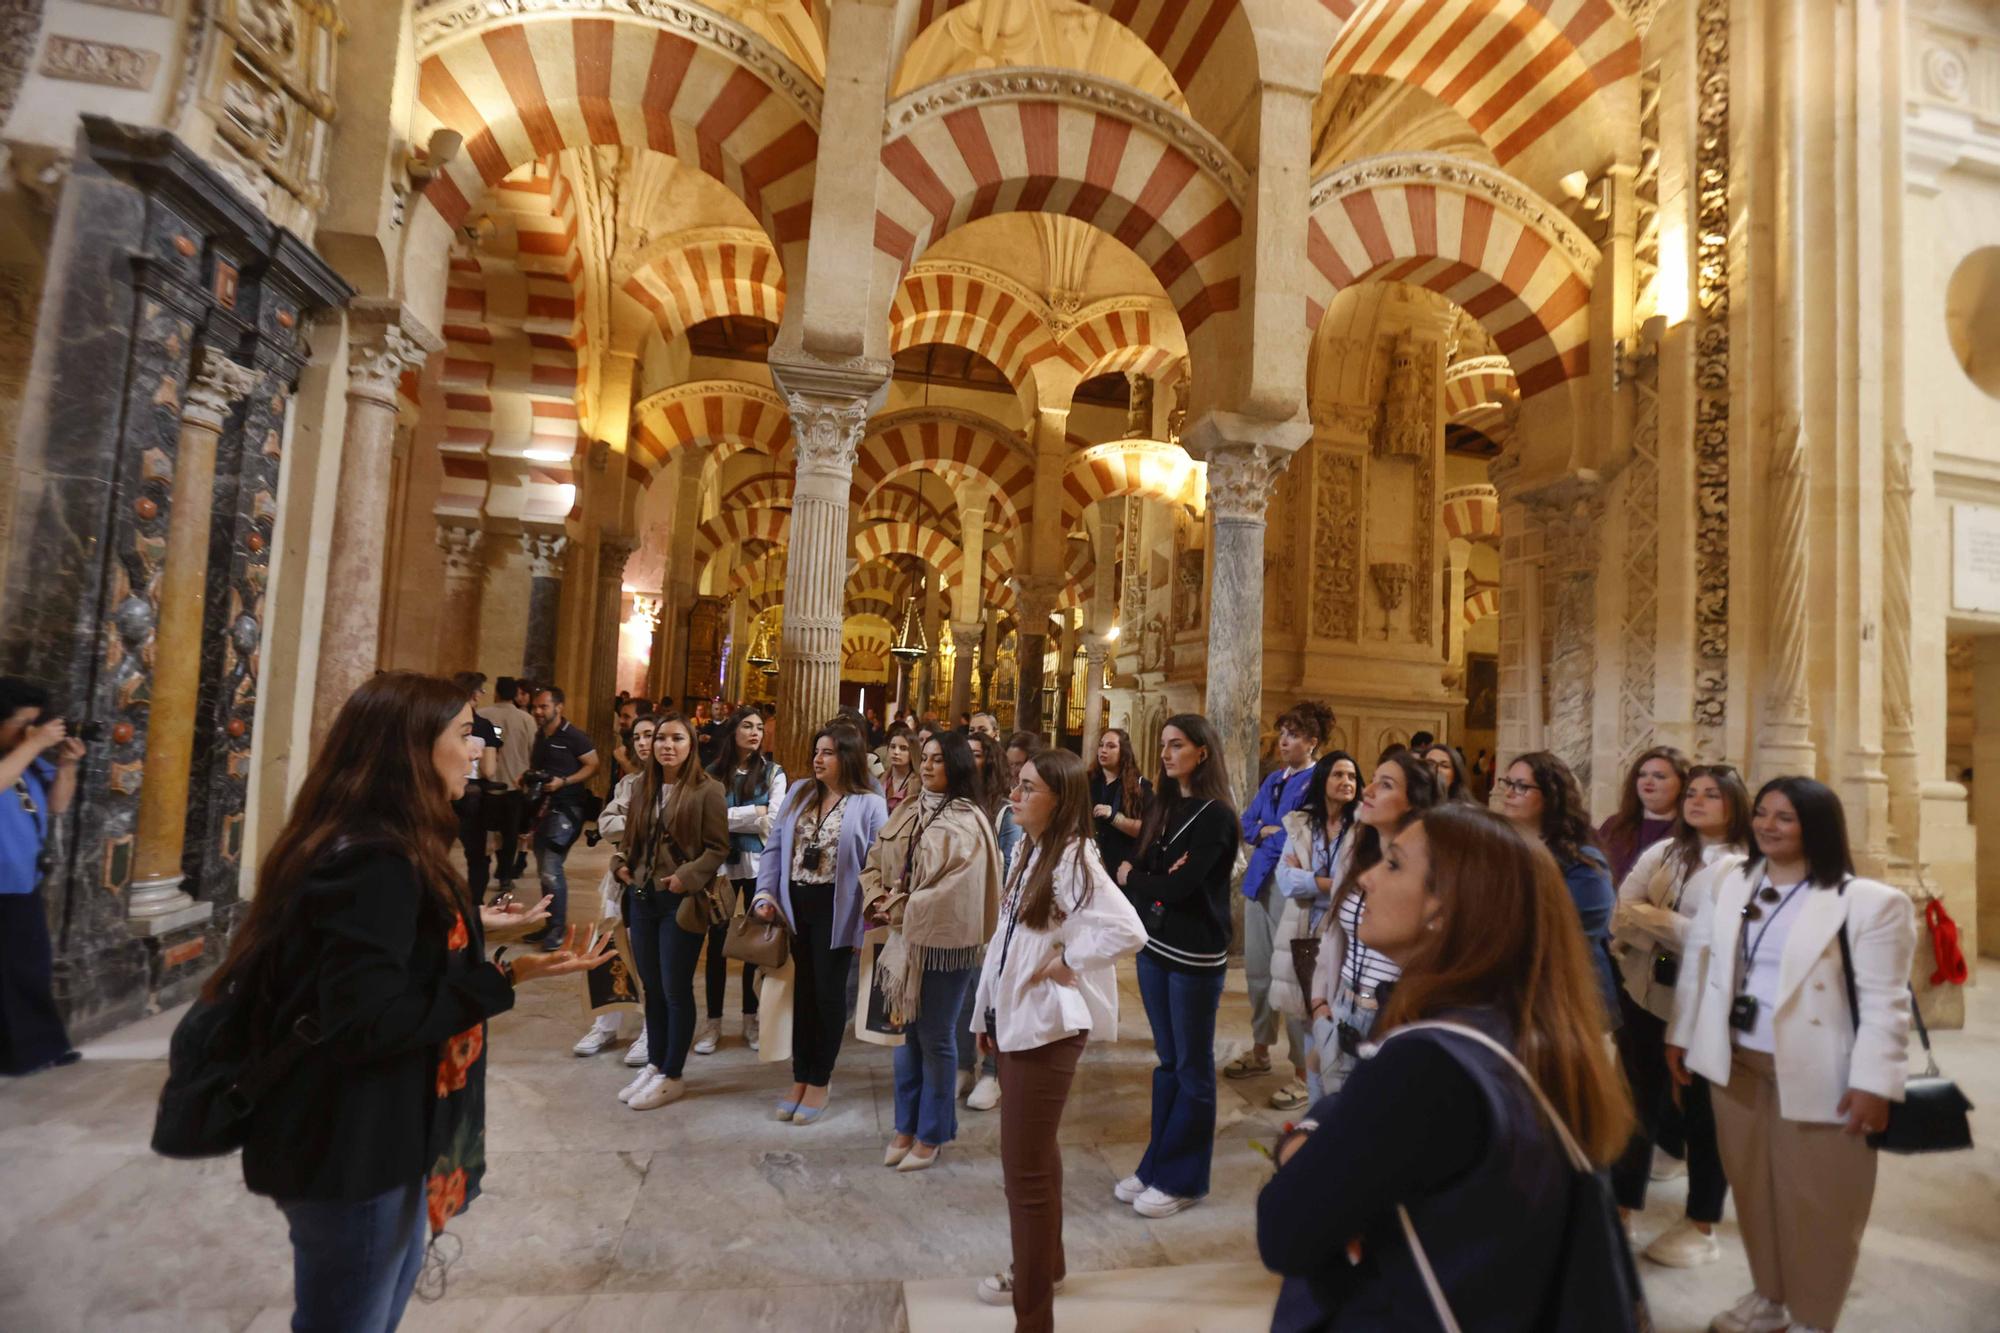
(1934, 1116)
(216, 1076)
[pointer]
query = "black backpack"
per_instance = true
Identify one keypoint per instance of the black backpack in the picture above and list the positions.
(216, 1075)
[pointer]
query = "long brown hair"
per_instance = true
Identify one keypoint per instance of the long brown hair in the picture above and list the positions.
(1420, 788)
(681, 820)
(1129, 777)
(1565, 822)
(1070, 826)
(1686, 853)
(850, 751)
(1508, 938)
(372, 785)
(1208, 782)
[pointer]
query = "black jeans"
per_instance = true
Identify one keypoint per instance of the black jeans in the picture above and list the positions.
(1642, 1049)
(666, 957)
(31, 1027)
(471, 811)
(717, 978)
(507, 815)
(819, 1000)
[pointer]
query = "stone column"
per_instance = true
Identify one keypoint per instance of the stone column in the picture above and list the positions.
(927, 665)
(1239, 487)
(612, 553)
(464, 591)
(965, 638)
(1568, 514)
(1064, 643)
(545, 551)
(156, 900)
(1784, 733)
(1095, 649)
(968, 595)
(989, 652)
(383, 341)
(829, 410)
(1458, 554)
(1034, 602)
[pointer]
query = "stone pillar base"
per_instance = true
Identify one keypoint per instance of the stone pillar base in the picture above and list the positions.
(156, 906)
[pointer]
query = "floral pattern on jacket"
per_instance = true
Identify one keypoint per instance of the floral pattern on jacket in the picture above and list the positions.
(458, 1123)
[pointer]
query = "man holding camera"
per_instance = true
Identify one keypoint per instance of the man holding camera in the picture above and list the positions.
(563, 761)
(38, 760)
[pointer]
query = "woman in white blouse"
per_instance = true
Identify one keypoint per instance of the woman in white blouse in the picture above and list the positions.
(1800, 1078)
(1656, 905)
(1048, 982)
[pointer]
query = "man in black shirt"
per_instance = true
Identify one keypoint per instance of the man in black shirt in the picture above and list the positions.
(471, 807)
(567, 759)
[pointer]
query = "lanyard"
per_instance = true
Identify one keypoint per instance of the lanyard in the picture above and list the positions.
(1333, 854)
(917, 837)
(1013, 910)
(1749, 949)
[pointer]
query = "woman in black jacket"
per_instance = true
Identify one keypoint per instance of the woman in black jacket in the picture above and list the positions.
(375, 1139)
(1179, 881)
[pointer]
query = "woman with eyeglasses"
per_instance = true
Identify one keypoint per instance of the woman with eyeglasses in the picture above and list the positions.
(1647, 808)
(1351, 981)
(1656, 904)
(1542, 799)
(1319, 844)
(1448, 763)
(1805, 1055)
(812, 879)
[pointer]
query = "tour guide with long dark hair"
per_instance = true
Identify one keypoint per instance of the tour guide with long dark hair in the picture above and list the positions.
(361, 920)
(1477, 917)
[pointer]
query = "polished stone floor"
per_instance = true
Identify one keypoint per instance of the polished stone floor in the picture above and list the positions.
(710, 1215)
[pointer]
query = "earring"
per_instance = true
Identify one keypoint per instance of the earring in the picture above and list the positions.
(1431, 924)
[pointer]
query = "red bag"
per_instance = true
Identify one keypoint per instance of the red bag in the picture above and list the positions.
(1944, 945)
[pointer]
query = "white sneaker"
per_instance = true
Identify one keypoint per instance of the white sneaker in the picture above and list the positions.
(631, 1090)
(1683, 1245)
(985, 1094)
(662, 1091)
(998, 1289)
(1128, 1189)
(635, 1054)
(1752, 1314)
(593, 1041)
(751, 1032)
(1156, 1202)
(1666, 1167)
(706, 1036)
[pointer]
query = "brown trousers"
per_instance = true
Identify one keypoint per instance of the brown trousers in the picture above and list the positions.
(1034, 1087)
(1803, 1192)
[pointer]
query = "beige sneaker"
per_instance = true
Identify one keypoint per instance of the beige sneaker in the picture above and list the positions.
(660, 1092)
(1683, 1245)
(706, 1036)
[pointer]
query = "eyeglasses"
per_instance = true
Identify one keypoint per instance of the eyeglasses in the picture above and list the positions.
(1517, 788)
(1751, 911)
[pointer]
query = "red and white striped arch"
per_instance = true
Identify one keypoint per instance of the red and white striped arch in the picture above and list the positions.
(1471, 513)
(1120, 336)
(734, 527)
(989, 315)
(877, 581)
(1519, 71)
(1477, 382)
(1154, 469)
(1481, 604)
(520, 90)
(926, 544)
(731, 415)
(864, 648)
(977, 145)
(1470, 233)
(769, 491)
(713, 272)
(961, 446)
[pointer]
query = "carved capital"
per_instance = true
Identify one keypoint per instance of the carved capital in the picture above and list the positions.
(460, 543)
(1240, 478)
(545, 553)
(612, 553)
(1569, 513)
(827, 432)
(383, 341)
(966, 635)
(1035, 598)
(218, 385)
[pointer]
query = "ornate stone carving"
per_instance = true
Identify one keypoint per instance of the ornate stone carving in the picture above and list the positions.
(545, 552)
(20, 21)
(1786, 702)
(216, 389)
(1639, 622)
(443, 24)
(1442, 168)
(1711, 430)
(1945, 73)
(1106, 95)
(1570, 515)
(83, 61)
(1239, 482)
(1336, 601)
(612, 555)
(1356, 419)
(382, 343)
(827, 432)
(460, 544)
(1409, 401)
(1391, 579)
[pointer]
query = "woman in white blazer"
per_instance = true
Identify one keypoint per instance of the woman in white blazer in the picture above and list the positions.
(1048, 983)
(1798, 1081)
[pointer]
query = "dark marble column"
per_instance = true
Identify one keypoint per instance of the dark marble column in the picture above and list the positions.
(1035, 602)
(545, 570)
(153, 257)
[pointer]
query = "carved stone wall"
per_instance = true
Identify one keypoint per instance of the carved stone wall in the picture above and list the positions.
(1711, 427)
(1639, 623)
(1336, 587)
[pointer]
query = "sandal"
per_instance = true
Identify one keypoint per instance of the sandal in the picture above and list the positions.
(1244, 1067)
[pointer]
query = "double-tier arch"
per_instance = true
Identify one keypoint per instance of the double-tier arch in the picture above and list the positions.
(1153, 469)
(958, 445)
(727, 416)
(704, 273)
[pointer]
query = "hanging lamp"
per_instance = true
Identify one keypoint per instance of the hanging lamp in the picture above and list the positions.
(910, 643)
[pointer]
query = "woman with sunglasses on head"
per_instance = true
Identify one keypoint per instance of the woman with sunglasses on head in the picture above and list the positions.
(1179, 882)
(932, 877)
(1351, 981)
(1542, 799)
(676, 839)
(611, 822)
(1448, 763)
(1648, 806)
(1656, 904)
(1799, 1075)
(1319, 844)
(1439, 1126)
(811, 878)
(1048, 983)
(754, 786)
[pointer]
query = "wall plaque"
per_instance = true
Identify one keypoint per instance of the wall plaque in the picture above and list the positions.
(1975, 558)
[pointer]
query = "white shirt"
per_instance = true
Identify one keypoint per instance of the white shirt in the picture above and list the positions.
(1766, 938)
(1092, 937)
(746, 819)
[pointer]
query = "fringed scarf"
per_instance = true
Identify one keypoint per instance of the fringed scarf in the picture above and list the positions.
(941, 857)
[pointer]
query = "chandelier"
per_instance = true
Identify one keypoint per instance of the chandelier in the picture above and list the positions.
(910, 643)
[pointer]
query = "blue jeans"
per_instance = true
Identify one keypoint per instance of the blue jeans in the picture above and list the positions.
(927, 1061)
(553, 838)
(354, 1264)
(666, 957)
(1181, 1007)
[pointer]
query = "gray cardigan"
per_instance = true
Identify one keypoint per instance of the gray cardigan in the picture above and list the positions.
(860, 821)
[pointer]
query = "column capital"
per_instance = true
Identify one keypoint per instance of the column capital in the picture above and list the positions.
(545, 553)
(1096, 647)
(830, 405)
(612, 553)
(966, 635)
(1035, 597)
(383, 340)
(460, 543)
(1569, 512)
(1240, 478)
(218, 385)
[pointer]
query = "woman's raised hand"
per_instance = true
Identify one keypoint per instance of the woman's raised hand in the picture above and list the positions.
(576, 955)
(506, 914)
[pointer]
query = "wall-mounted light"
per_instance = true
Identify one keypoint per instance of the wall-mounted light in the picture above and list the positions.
(547, 455)
(438, 153)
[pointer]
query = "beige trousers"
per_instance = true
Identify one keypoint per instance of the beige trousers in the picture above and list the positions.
(1802, 1193)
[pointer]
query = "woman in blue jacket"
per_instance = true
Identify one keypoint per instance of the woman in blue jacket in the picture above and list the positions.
(1542, 799)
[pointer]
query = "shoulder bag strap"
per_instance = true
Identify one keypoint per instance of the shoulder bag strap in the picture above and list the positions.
(1854, 1002)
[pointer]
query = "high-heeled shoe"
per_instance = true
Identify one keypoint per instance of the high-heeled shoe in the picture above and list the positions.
(897, 1152)
(916, 1163)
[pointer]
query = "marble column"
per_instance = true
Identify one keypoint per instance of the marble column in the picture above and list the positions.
(384, 340)
(1063, 640)
(989, 654)
(464, 592)
(965, 638)
(1784, 733)
(612, 553)
(968, 595)
(1096, 648)
(1239, 488)
(545, 552)
(927, 665)
(156, 899)
(829, 409)
(1034, 602)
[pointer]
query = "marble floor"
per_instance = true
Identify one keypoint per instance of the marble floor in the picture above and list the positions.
(710, 1215)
